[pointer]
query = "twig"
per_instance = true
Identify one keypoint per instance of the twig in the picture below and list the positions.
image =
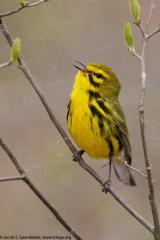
(6, 179)
(136, 55)
(34, 84)
(150, 15)
(31, 185)
(37, 3)
(140, 28)
(25, 5)
(153, 33)
(136, 170)
(11, 12)
(7, 64)
(132, 211)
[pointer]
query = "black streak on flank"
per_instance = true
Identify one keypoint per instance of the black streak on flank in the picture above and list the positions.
(68, 109)
(110, 147)
(93, 95)
(101, 127)
(95, 84)
(103, 107)
(91, 124)
(95, 112)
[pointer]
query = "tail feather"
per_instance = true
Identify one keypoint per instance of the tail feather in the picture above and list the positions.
(123, 174)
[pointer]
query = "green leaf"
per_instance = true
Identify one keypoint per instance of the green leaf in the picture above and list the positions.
(135, 9)
(21, 2)
(15, 50)
(128, 37)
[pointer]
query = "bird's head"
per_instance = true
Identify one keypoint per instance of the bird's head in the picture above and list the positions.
(97, 77)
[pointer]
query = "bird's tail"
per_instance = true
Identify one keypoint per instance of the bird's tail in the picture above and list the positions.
(123, 173)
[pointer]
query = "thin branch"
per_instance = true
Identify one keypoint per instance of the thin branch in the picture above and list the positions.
(24, 5)
(136, 170)
(7, 64)
(37, 3)
(31, 185)
(6, 179)
(136, 54)
(142, 126)
(132, 211)
(11, 12)
(140, 28)
(34, 84)
(150, 15)
(153, 33)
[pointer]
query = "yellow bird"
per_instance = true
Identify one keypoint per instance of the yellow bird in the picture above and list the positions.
(96, 120)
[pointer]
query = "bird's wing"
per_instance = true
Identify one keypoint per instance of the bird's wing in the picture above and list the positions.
(118, 119)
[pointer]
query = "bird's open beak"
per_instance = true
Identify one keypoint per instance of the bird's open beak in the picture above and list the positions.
(80, 66)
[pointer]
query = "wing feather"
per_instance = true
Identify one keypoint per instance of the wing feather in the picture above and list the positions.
(118, 119)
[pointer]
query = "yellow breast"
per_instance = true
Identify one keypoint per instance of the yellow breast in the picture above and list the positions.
(87, 130)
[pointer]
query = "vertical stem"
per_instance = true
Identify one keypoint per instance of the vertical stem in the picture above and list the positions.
(142, 128)
(150, 15)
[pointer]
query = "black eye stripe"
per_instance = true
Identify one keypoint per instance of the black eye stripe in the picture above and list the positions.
(95, 84)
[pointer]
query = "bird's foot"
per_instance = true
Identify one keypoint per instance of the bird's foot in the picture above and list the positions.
(106, 186)
(77, 154)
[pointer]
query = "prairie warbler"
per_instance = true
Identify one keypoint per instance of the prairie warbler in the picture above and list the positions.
(96, 120)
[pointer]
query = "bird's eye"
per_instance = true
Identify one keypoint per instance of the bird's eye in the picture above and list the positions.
(99, 75)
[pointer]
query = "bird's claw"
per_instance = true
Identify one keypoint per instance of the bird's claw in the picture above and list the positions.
(106, 186)
(77, 154)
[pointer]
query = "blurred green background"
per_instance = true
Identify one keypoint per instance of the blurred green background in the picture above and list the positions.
(53, 35)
